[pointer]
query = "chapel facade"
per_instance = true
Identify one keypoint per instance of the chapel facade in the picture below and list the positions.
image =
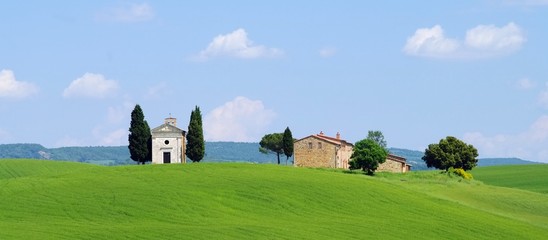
(168, 143)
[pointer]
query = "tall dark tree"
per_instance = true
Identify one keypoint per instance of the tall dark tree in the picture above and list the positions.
(451, 152)
(378, 137)
(287, 144)
(140, 138)
(367, 156)
(272, 143)
(195, 147)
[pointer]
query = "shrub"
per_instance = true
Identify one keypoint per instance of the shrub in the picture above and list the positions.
(460, 172)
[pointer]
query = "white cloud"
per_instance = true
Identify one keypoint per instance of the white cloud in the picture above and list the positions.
(430, 42)
(327, 52)
(128, 13)
(490, 38)
(117, 137)
(480, 42)
(240, 120)
(236, 44)
(525, 84)
(11, 88)
(91, 85)
(118, 114)
(530, 144)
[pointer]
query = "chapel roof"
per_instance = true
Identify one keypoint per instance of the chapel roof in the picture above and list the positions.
(167, 128)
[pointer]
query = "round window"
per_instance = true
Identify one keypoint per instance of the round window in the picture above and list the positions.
(166, 142)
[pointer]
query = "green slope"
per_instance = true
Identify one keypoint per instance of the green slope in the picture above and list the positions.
(219, 201)
(18, 168)
(532, 177)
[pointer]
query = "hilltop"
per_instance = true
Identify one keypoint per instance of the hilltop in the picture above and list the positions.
(65, 200)
(215, 152)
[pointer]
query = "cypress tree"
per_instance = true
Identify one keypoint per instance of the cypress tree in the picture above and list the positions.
(140, 138)
(287, 144)
(195, 149)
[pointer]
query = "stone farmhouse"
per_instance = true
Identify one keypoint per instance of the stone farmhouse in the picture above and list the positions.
(168, 143)
(319, 150)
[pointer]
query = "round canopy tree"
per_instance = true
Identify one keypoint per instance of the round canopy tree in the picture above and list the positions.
(451, 152)
(367, 156)
(272, 143)
(378, 137)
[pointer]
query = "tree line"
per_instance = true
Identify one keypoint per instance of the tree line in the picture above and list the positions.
(450, 154)
(278, 143)
(140, 137)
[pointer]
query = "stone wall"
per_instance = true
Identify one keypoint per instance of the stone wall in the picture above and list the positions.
(173, 145)
(309, 153)
(391, 166)
(343, 155)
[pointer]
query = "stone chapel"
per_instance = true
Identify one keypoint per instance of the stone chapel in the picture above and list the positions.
(168, 143)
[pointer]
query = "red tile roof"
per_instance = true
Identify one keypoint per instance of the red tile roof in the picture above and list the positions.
(329, 139)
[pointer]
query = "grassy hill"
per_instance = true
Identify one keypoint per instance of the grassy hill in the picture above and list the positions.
(64, 200)
(532, 177)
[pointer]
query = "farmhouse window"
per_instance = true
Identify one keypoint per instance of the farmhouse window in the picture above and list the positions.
(319, 145)
(310, 145)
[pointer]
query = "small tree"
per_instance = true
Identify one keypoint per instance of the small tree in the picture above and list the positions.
(287, 144)
(451, 153)
(378, 137)
(272, 143)
(140, 138)
(195, 148)
(367, 156)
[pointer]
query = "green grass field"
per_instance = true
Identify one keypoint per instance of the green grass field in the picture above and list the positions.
(63, 200)
(528, 177)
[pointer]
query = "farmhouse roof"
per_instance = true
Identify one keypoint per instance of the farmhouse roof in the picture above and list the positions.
(332, 140)
(396, 158)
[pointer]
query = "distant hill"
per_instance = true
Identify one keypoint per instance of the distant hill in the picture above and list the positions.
(484, 162)
(415, 159)
(239, 152)
(96, 155)
(215, 152)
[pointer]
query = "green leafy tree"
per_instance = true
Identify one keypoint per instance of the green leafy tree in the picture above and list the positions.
(451, 152)
(272, 143)
(287, 144)
(195, 148)
(378, 137)
(140, 138)
(367, 156)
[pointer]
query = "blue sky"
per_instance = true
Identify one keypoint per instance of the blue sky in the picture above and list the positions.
(72, 71)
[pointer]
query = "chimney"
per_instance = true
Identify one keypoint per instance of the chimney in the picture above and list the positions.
(338, 136)
(321, 133)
